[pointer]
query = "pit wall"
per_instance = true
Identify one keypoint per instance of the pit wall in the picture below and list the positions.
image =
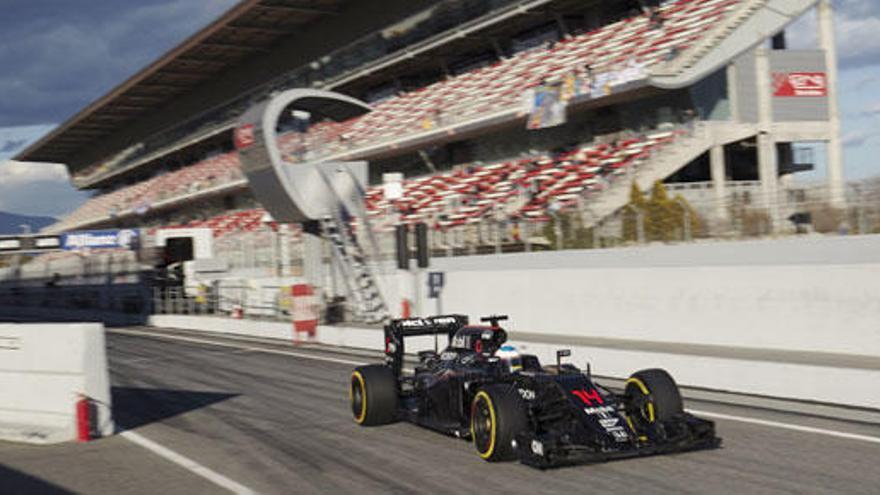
(43, 368)
(795, 319)
(808, 294)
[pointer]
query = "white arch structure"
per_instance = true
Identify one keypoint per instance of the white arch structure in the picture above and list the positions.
(298, 192)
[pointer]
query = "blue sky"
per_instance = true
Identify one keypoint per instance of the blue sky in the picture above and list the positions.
(59, 55)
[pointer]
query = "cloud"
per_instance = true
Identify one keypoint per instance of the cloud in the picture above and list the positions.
(15, 139)
(14, 173)
(857, 42)
(58, 56)
(37, 189)
(33, 188)
(872, 110)
(12, 146)
(856, 25)
(855, 139)
(51, 198)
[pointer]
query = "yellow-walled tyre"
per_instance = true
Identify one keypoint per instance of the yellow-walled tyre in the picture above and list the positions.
(497, 416)
(651, 396)
(373, 395)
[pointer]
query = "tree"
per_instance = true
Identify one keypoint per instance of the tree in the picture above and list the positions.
(631, 212)
(685, 210)
(660, 221)
(663, 218)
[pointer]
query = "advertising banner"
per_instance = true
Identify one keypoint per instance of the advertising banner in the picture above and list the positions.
(800, 84)
(98, 239)
(548, 108)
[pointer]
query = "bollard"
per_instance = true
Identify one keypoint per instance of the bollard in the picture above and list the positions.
(83, 419)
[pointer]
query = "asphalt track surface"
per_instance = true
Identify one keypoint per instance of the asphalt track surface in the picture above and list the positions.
(275, 419)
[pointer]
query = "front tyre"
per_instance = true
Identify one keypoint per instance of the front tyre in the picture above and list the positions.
(497, 416)
(652, 396)
(373, 395)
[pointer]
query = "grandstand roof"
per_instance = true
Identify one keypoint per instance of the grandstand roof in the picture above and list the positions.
(249, 28)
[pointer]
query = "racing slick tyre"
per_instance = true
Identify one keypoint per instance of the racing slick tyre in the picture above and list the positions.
(373, 395)
(497, 416)
(652, 396)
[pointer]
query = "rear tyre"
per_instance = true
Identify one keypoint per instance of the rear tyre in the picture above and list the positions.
(373, 395)
(497, 416)
(652, 396)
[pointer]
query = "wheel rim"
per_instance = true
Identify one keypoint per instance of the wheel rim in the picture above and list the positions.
(483, 425)
(640, 406)
(357, 396)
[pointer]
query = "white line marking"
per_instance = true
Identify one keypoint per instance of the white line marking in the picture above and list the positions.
(238, 346)
(742, 419)
(188, 464)
(786, 426)
(155, 359)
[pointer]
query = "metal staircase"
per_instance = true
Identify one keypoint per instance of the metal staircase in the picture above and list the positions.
(352, 256)
(662, 165)
(689, 58)
(362, 286)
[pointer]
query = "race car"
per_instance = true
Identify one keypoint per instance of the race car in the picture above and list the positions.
(512, 407)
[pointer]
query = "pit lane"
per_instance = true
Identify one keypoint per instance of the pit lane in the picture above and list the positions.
(275, 419)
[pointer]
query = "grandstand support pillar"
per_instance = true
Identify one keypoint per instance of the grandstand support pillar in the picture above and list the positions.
(834, 174)
(768, 167)
(732, 94)
(768, 173)
(717, 169)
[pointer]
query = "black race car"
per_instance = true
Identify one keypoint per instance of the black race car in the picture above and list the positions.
(510, 406)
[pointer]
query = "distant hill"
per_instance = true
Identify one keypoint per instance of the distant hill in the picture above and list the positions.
(10, 223)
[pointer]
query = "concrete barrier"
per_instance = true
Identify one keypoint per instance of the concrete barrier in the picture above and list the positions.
(795, 318)
(813, 294)
(43, 368)
(826, 378)
(849, 385)
(222, 325)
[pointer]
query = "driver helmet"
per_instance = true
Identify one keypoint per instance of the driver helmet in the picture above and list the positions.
(509, 355)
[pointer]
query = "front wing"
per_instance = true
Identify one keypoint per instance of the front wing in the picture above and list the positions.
(555, 449)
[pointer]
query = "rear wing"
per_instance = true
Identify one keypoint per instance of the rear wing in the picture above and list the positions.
(397, 330)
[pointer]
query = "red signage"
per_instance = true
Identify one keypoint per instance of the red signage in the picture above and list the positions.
(787, 84)
(244, 137)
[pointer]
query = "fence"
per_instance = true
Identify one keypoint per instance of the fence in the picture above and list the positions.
(746, 215)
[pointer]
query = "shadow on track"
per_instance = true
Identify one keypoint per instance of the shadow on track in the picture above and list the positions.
(13, 481)
(134, 407)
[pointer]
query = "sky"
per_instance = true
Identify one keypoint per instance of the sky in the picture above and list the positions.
(56, 56)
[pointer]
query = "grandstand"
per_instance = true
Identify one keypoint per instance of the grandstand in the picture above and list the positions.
(702, 95)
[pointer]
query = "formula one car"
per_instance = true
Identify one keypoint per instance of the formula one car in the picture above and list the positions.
(512, 407)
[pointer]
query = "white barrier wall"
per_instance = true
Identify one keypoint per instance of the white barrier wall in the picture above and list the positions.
(844, 385)
(796, 319)
(43, 368)
(815, 294)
